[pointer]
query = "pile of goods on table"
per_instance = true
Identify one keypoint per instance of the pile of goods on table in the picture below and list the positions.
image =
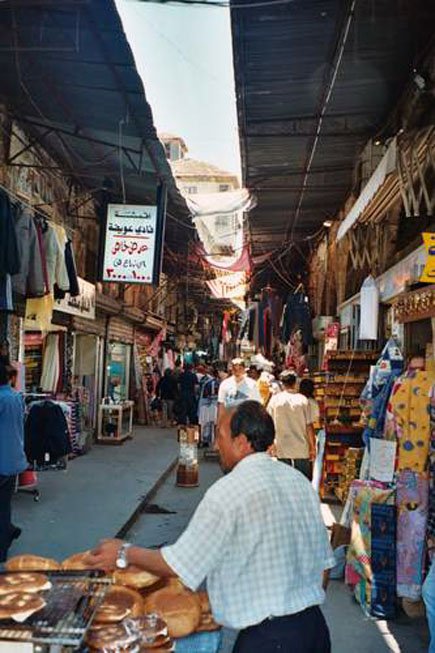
(43, 601)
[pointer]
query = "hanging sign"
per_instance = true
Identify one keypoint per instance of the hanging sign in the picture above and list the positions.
(428, 275)
(83, 305)
(133, 243)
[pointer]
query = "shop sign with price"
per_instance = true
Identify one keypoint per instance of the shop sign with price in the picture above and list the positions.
(133, 243)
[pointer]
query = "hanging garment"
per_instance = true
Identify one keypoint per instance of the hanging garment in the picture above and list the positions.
(297, 315)
(368, 328)
(409, 405)
(412, 506)
(55, 258)
(431, 513)
(359, 572)
(74, 289)
(6, 302)
(9, 252)
(383, 554)
(46, 433)
(40, 309)
(50, 365)
(29, 280)
(377, 392)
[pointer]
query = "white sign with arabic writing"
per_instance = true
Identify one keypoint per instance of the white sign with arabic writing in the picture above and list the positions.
(83, 305)
(130, 243)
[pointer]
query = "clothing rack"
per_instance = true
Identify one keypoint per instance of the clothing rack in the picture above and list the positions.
(40, 213)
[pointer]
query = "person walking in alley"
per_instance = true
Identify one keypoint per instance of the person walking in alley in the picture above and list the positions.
(257, 537)
(188, 383)
(167, 392)
(237, 388)
(290, 411)
(12, 456)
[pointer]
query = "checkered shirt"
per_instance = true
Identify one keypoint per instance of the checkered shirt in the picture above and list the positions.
(259, 539)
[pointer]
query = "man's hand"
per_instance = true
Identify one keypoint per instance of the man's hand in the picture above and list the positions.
(104, 555)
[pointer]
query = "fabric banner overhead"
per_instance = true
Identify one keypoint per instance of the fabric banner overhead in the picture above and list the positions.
(218, 218)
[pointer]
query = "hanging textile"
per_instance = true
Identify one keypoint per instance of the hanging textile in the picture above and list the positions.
(431, 508)
(29, 281)
(359, 572)
(376, 394)
(410, 407)
(51, 364)
(297, 315)
(368, 328)
(383, 553)
(412, 506)
(9, 253)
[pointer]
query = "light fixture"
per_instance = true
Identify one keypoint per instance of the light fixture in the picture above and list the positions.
(327, 224)
(378, 142)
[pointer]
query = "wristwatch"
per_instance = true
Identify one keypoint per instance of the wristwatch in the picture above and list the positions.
(121, 559)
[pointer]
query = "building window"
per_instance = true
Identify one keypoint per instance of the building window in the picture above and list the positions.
(191, 190)
(168, 151)
(223, 188)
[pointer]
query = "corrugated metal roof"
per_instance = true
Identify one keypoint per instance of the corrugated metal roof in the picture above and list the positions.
(283, 59)
(67, 67)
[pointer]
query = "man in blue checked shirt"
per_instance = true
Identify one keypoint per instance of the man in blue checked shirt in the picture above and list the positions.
(257, 538)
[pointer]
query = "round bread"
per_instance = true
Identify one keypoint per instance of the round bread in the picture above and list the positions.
(180, 610)
(76, 562)
(176, 585)
(30, 562)
(17, 604)
(163, 645)
(113, 637)
(119, 602)
(24, 581)
(134, 577)
(204, 601)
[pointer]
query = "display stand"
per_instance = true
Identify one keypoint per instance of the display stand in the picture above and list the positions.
(348, 372)
(115, 422)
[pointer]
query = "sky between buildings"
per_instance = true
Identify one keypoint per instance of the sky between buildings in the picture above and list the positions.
(184, 56)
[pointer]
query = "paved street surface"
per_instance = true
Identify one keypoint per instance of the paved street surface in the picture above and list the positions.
(351, 631)
(94, 497)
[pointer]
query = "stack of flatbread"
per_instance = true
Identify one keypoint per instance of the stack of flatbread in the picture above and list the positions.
(20, 588)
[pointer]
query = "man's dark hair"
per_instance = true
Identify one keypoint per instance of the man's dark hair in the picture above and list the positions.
(4, 374)
(252, 419)
(306, 388)
(289, 378)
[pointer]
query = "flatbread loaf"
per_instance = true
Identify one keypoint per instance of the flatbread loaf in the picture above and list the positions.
(204, 600)
(134, 577)
(180, 610)
(119, 603)
(28, 562)
(76, 562)
(23, 581)
(109, 638)
(19, 606)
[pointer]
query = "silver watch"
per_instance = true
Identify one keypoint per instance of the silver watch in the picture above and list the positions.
(121, 560)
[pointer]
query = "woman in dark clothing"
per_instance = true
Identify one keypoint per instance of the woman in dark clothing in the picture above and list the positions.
(167, 392)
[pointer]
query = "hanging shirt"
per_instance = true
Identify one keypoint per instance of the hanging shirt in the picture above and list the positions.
(368, 329)
(259, 538)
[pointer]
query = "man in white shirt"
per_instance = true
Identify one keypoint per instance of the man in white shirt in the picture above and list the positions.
(259, 540)
(236, 388)
(291, 414)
